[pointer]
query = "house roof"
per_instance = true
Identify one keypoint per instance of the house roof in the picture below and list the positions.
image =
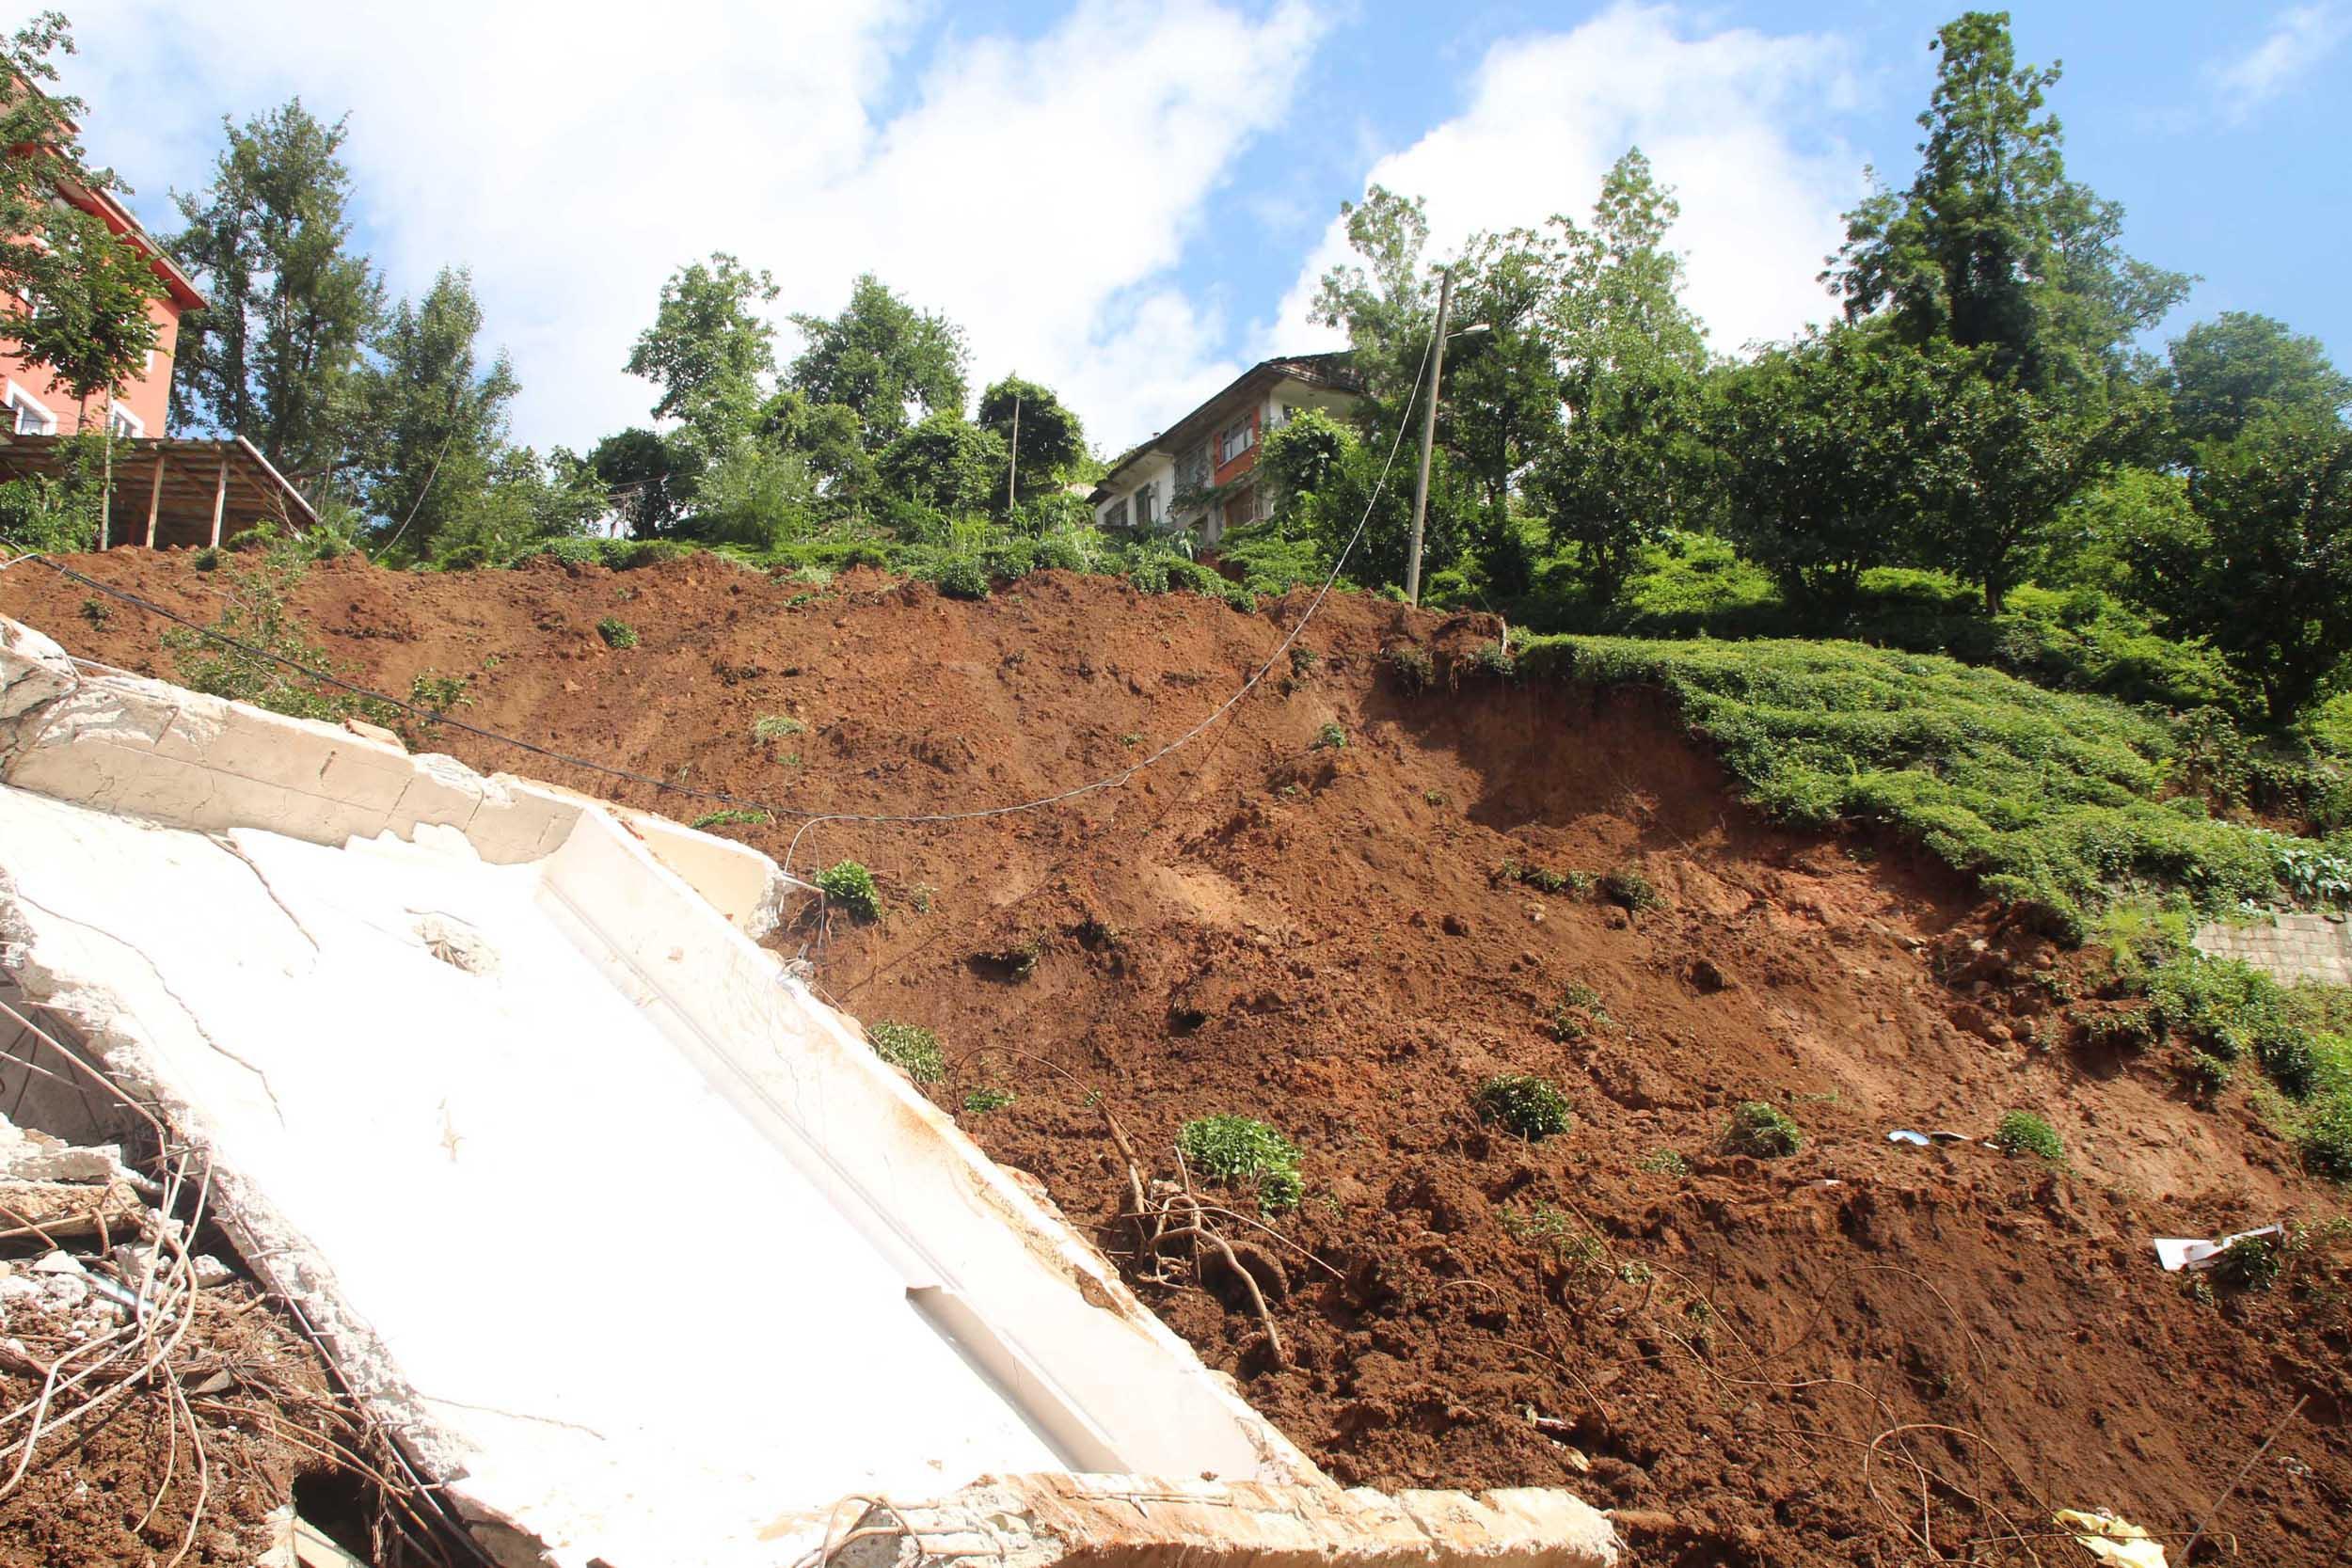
(118, 217)
(183, 491)
(1334, 370)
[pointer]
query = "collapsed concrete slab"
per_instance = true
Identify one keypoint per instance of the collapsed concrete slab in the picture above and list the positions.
(629, 1241)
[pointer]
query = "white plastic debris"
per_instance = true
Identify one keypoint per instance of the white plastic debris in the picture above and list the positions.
(58, 1262)
(1905, 1135)
(2180, 1252)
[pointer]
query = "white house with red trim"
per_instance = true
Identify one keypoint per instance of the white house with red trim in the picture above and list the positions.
(1195, 474)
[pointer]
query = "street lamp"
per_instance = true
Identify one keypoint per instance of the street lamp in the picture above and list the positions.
(1429, 428)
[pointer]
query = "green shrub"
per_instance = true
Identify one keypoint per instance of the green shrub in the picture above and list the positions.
(2326, 1141)
(1149, 573)
(981, 1102)
(2023, 1133)
(851, 886)
(1665, 1162)
(911, 1048)
(731, 817)
(1763, 1131)
(1494, 658)
(2126, 1029)
(2208, 1075)
(1524, 1104)
(775, 726)
(1630, 889)
(616, 632)
(1331, 738)
(1245, 1152)
(2250, 1263)
(1578, 1013)
(1414, 670)
(964, 578)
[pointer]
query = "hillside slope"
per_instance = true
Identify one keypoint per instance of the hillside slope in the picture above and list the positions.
(1865, 1353)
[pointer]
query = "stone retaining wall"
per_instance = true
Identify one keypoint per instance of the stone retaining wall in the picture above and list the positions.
(2289, 947)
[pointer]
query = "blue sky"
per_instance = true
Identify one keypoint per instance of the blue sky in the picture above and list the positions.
(1130, 199)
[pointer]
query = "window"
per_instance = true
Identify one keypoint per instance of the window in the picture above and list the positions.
(1277, 415)
(124, 423)
(1115, 515)
(1241, 509)
(1239, 439)
(28, 417)
(1147, 501)
(1192, 471)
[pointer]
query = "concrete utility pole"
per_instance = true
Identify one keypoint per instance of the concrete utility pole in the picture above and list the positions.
(1013, 472)
(1428, 436)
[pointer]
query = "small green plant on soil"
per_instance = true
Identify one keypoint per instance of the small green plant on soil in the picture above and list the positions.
(979, 1102)
(1304, 659)
(2207, 1075)
(1542, 1226)
(1665, 1162)
(775, 726)
(1414, 671)
(2131, 1030)
(94, 612)
(911, 1048)
(732, 817)
(920, 896)
(1763, 1131)
(1630, 889)
(1331, 738)
(1245, 1153)
(2250, 1263)
(1524, 1104)
(851, 886)
(2023, 1133)
(616, 632)
(2326, 1140)
(1494, 658)
(440, 694)
(1433, 798)
(1133, 737)
(1578, 1013)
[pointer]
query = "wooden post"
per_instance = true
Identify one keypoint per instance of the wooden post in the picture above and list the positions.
(220, 497)
(155, 498)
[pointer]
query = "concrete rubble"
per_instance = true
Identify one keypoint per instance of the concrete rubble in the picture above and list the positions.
(431, 1029)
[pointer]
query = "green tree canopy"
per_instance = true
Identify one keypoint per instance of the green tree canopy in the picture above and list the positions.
(650, 478)
(2265, 570)
(1630, 460)
(1992, 245)
(1829, 469)
(2240, 367)
(710, 350)
(90, 289)
(947, 464)
(276, 358)
(1050, 439)
(436, 423)
(881, 357)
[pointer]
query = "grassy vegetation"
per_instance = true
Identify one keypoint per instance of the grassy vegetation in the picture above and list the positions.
(911, 1048)
(2051, 798)
(616, 632)
(2023, 1133)
(732, 817)
(1523, 1104)
(1245, 1153)
(851, 886)
(1763, 1131)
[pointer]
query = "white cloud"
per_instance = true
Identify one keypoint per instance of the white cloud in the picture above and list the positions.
(1037, 191)
(1736, 121)
(2297, 41)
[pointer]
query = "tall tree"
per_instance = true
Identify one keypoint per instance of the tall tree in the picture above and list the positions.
(2240, 367)
(436, 423)
(277, 357)
(1385, 299)
(1630, 461)
(1042, 434)
(1992, 245)
(2265, 569)
(879, 359)
(1831, 465)
(710, 350)
(86, 290)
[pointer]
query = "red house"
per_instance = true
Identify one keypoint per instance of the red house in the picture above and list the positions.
(164, 491)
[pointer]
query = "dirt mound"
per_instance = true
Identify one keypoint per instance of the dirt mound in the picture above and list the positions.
(1350, 905)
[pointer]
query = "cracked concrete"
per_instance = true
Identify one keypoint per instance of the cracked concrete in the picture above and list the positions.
(419, 1153)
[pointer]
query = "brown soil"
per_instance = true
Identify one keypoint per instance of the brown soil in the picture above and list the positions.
(1861, 1354)
(121, 1485)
